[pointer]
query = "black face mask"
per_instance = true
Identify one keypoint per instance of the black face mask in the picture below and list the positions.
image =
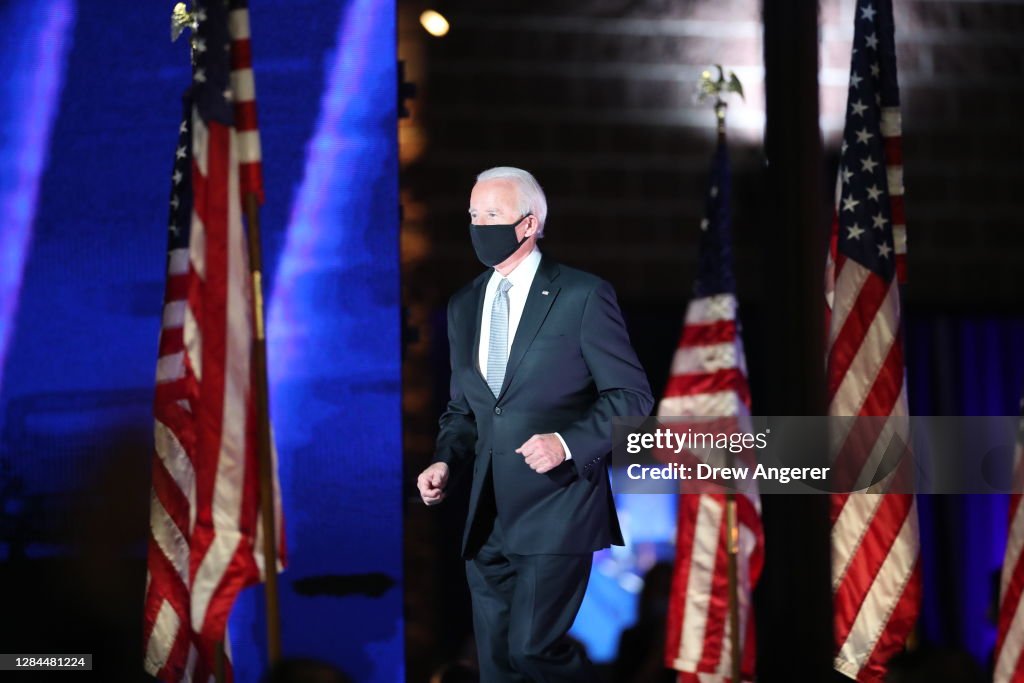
(495, 243)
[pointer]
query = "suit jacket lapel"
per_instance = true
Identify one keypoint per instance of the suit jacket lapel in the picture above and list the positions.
(538, 303)
(475, 308)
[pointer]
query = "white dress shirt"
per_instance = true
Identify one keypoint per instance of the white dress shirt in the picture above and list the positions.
(521, 278)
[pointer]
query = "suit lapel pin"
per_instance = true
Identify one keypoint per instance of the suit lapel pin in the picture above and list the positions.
(544, 292)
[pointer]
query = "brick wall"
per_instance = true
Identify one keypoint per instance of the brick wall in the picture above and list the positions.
(597, 99)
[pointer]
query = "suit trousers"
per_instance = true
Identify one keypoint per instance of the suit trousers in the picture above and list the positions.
(523, 607)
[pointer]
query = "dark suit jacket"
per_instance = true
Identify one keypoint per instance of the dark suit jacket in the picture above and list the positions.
(571, 369)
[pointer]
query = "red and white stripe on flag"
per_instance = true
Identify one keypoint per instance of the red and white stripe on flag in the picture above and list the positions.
(876, 579)
(1009, 654)
(243, 86)
(205, 533)
(891, 124)
(708, 378)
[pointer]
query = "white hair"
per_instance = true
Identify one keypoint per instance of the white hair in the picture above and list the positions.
(531, 196)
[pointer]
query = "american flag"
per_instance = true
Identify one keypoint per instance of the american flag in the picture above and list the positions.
(205, 541)
(708, 378)
(1009, 655)
(876, 579)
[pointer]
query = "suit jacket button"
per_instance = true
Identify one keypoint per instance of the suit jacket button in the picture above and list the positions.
(497, 410)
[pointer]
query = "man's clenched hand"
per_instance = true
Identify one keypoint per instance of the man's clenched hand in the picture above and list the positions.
(543, 452)
(432, 482)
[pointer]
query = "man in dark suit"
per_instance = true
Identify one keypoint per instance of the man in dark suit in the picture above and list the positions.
(541, 363)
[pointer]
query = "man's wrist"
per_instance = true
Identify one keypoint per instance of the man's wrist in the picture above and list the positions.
(565, 447)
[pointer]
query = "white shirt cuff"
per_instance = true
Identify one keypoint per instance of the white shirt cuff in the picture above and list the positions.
(568, 453)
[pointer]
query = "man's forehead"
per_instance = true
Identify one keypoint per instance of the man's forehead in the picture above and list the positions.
(494, 191)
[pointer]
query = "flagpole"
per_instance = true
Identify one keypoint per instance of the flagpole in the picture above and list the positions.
(718, 89)
(732, 528)
(262, 405)
(219, 663)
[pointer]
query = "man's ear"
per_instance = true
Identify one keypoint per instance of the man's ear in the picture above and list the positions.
(531, 229)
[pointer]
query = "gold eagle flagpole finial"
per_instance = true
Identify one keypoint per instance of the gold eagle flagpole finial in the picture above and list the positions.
(718, 88)
(182, 19)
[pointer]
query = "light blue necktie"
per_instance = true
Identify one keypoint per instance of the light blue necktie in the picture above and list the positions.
(497, 346)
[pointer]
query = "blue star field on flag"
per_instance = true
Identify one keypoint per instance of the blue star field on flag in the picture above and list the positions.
(864, 206)
(714, 266)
